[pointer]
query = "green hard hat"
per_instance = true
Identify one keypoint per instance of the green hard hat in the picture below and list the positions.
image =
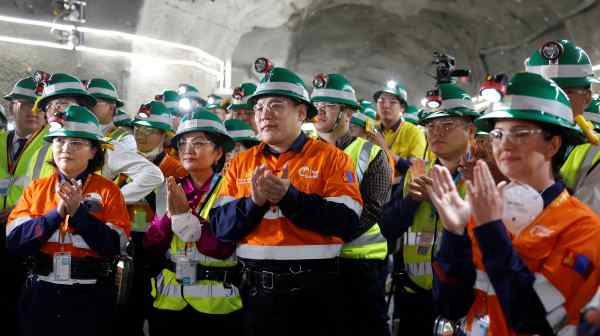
(122, 119)
(191, 92)
(154, 114)
(531, 97)
(456, 102)
(563, 62)
(23, 89)
(202, 120)
(395, 88)
(285, 83)
(77, 122)
(241, 95)
(240, 131)
(101, 88)
(334, 88)
(65, 85)
(368, 108)
(411, 114)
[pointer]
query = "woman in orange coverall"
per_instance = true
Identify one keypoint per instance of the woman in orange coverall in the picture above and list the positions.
(520, 258)
(72, 224)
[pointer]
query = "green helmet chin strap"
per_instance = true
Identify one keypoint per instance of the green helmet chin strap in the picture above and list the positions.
(337, 120)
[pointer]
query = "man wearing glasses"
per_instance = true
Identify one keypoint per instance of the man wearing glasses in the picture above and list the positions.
(411, 216)
(290, 203)
(362, 265)
(401, 139)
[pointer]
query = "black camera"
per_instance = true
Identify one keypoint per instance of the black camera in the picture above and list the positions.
(446, 71)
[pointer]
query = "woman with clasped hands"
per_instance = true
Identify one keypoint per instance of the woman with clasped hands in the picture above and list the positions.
(523, 257)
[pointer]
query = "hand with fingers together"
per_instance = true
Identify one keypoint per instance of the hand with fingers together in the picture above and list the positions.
(452, 209)
(275, 187)
(70, 193)
(484, 195)
(177, 202)
(258, 195)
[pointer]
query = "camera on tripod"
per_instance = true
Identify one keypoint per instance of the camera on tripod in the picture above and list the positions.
(445, 70)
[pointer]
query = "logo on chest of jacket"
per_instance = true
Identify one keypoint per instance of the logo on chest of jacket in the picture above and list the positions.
(540, 231)
(308, 173)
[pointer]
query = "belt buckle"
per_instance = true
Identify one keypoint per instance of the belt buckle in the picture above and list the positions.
(267, 284)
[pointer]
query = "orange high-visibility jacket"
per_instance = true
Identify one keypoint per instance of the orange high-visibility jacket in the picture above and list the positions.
(40, 198)
(550, 246)
(320, 169)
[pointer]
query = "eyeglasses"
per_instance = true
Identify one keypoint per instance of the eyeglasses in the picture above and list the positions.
(443, 126)
(273, 105)
(76, 144)
(144, 130)
(60, 104)
(326, 106)
(195, 143)
(517, 136)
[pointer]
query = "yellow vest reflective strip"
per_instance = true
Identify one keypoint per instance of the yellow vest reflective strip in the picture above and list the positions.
(587, 164)
(16, 182)
(419, 239)
(288, 252)
(551, 298)
(371, 244)
(207, 296)
(117, 134)
(4, 174)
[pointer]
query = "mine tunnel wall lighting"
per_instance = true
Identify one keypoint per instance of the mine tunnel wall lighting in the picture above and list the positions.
(209, 59)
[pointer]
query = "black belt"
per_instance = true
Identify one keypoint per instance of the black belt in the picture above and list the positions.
(222, 274)
(83, 268)
(293, 279)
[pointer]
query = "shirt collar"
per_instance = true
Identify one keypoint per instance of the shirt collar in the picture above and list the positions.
(394, 127)
(344, 141)
(552, 192)
(193, 194)
(296, 146)
(81, 177)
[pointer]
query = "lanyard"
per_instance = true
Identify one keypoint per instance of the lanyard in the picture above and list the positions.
(205, 191)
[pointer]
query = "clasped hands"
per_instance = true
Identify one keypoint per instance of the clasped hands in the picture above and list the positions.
(268, 187)
(70, 193)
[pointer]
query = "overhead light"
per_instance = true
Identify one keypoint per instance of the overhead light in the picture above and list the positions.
(39, 43)
(137, 38)
(107, 52)
(115, 53)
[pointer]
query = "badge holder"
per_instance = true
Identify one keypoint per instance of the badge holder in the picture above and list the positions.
(185, 270)
(424, 243)
(62, 266)
(480, 326)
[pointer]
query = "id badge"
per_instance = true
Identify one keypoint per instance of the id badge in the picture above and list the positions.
(62, 266)
(185, 270)
(480, 326)
(424, 243)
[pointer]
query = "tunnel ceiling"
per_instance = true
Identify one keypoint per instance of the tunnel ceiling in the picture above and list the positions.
(370, 41)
